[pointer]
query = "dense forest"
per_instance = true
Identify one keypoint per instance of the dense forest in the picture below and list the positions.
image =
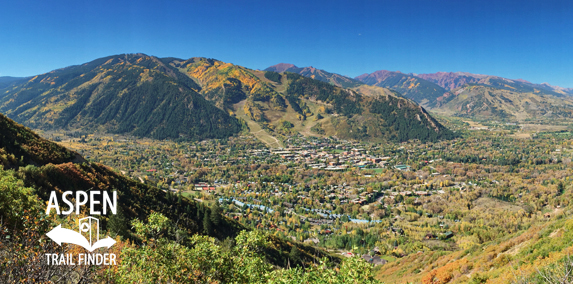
(406, 122)
(343, 102)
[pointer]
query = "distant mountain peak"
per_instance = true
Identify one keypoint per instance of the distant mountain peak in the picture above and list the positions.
(468, 74)
(413, 87)
(525, 81)
(317, 74)
(455, 80)
(281, 67)
(378, 73)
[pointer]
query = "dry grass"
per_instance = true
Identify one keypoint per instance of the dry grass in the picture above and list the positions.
(542, 127)
(256, 129)
(486, 204)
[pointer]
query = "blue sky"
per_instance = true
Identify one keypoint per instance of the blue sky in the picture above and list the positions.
(532, 40)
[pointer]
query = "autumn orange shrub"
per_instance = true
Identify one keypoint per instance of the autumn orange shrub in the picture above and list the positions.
(446, 273)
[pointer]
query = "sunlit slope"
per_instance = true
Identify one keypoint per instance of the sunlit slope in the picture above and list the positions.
(199, 98)
(288, 103)
(132, 94)
(484, 102)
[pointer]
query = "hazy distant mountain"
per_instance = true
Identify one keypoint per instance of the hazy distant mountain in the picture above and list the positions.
(317, 74)
(454, 80)
(282, 67)
(420, 90)
(491, 103)
(450, 80)
(6, 81)
(557, 89)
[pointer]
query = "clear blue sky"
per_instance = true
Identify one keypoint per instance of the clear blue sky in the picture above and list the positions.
(532, 40)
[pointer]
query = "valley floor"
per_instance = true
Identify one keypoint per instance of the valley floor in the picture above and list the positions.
(489, 206)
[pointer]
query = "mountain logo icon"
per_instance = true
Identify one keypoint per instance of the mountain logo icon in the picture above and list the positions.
(86, 236)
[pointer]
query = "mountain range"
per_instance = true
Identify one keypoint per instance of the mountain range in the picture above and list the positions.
(485, 97)
(318, 74)
(417, 89)
(464, 94)
(201, 98)
(486, 103)
(454, 80)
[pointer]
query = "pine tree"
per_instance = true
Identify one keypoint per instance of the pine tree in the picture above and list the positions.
(216, 214)
(199, 211)
(117, 224)
(294, 256)
(207, 223)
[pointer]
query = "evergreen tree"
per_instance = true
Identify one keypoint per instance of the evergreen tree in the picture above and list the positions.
(199, 211)
(207, 223)
(216, 214)
(117, 224)
(294, 256)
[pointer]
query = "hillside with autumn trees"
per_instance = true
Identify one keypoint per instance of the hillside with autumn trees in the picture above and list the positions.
(135, 94)
(461, 94)
(510, 105)
(310, 106)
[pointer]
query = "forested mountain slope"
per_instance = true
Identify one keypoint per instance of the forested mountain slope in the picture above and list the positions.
(358, 112)
(132, 94)
(6, 81)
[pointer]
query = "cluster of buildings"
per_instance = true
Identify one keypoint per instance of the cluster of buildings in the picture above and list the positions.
(321, 159)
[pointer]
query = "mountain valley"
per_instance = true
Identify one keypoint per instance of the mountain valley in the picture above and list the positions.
(291, 173)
